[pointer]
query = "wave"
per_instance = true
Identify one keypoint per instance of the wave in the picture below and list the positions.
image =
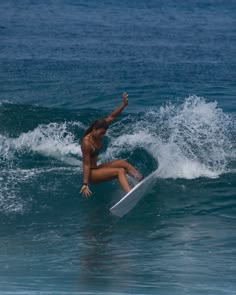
(188, 140)
(52, 140)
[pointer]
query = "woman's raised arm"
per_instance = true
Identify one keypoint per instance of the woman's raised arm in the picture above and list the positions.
(116, 113)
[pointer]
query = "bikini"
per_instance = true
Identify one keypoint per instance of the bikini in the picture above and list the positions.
(95, 153)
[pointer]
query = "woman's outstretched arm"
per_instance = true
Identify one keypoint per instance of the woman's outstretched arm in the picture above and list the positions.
(86, 169)
(116, 113)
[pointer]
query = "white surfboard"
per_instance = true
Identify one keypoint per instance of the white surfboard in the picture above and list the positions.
(131, 198)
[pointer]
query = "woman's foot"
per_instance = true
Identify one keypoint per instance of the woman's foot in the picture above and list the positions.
(138, 176)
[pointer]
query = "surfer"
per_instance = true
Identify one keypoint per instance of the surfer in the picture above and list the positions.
(91, 147)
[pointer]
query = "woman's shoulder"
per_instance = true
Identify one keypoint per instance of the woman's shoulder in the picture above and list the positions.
(86, 142)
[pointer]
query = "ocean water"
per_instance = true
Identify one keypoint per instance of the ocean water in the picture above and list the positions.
(66, 63)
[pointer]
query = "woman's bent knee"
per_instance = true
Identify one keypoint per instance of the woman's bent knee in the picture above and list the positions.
(121, 171)
(124, 162)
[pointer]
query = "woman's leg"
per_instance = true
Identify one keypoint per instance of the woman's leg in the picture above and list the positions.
(104, 174)
(123, 164)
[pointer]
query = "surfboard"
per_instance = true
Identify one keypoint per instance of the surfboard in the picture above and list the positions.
(131, 198)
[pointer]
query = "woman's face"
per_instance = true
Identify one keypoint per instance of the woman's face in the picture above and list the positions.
(99, 133)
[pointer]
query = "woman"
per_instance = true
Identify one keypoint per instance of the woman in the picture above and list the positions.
(91, 146)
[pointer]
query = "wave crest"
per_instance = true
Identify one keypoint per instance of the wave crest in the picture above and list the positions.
(189, 140)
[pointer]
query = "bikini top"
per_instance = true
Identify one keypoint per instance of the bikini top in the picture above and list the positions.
(96, 151)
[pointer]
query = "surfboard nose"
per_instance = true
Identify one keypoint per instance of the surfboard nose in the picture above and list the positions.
(129, 201)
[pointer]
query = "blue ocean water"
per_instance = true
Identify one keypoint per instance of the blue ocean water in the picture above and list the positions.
(65, 63)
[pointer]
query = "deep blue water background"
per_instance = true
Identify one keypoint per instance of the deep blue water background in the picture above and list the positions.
(65, 63)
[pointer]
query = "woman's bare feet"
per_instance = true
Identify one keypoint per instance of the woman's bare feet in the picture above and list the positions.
(138, 176)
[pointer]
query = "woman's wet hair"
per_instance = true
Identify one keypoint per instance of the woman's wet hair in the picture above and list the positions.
(98, 124)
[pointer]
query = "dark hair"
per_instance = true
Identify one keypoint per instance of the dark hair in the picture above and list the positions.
(100, 123)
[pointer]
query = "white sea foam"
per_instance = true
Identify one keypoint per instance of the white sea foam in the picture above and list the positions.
(188, 141)
(198, 143)
(12, 198)
(52, 140)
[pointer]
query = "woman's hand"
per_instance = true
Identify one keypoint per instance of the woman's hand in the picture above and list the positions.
(86, 191)
(125, 98)
(116, 113)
